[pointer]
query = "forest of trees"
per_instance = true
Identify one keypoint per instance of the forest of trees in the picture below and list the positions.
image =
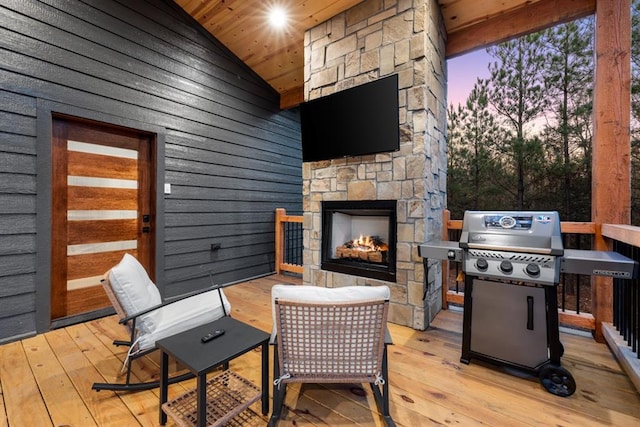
(522, 141)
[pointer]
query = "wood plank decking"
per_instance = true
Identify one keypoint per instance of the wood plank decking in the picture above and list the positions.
(46, 380)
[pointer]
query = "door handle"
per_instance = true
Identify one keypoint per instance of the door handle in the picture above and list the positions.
(530, 313)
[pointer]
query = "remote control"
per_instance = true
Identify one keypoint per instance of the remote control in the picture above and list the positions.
(212, 335)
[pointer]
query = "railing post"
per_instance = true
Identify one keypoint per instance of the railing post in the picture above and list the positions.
(446, 216)
(280, 213)
(601, 289)
(610, 188)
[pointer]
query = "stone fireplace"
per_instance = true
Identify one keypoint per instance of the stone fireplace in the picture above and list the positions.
(374, 39)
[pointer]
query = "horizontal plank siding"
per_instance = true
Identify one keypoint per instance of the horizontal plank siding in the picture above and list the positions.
(230, 154)
(17, 123)
(18, 203)
(16, 224)
(21, 325)
(17, 163)
(17, 284)
(14, 143)
(16, 305)
(12, 183)
(17, 244)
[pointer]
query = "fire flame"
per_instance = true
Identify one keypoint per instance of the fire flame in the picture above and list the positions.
(368, 243)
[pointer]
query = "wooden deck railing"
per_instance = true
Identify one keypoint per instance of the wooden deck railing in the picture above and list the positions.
(288, 242)
(623, 332)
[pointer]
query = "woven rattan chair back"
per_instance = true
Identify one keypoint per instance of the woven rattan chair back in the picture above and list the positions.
(331, 342)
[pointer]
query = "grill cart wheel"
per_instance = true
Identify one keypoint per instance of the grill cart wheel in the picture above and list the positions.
(557, 380)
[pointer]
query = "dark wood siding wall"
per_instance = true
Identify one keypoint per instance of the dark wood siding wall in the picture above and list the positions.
(230, 155)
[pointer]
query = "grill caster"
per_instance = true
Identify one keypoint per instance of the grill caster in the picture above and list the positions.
(557, 380)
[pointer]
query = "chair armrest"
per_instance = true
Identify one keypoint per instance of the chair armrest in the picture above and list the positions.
(166, 303)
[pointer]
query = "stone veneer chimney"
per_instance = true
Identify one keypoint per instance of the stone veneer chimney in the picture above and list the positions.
(374, 39)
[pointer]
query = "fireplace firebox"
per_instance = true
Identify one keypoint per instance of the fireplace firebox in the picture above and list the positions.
(359, 238)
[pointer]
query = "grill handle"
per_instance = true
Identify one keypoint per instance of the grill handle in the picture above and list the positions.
(530, 313)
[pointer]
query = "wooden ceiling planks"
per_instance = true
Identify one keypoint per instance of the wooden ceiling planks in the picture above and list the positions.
(278, 55)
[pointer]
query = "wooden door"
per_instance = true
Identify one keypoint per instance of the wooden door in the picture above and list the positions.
(103, 207)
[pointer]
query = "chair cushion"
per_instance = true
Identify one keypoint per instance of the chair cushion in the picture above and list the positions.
(135, 290)
(183, 315)
(308, 293)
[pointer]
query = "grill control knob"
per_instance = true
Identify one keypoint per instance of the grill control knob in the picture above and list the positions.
(532, 270)
(506, 267)
(482, 264)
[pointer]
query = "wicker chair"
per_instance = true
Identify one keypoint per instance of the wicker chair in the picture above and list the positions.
(330, 335)
(138, 303)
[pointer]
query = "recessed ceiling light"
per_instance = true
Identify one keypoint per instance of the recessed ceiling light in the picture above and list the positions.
(277, 17)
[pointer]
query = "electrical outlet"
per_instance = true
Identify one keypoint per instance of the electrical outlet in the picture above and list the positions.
(215, 246)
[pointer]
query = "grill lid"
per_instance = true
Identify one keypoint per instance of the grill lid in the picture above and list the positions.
(531, 232)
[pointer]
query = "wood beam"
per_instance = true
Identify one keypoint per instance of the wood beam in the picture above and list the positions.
(611, 164)
(531, 18)
(292, 97)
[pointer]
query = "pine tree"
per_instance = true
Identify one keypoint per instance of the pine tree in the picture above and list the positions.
(516, 92)
(569, 82)
(473, 164)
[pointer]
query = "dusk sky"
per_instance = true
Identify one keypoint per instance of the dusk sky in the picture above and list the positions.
(462, 74)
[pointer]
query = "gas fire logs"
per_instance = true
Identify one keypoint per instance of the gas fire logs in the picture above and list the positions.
(369, 248)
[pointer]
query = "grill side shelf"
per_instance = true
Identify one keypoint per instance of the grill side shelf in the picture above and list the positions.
(441, 249)
(598, 263)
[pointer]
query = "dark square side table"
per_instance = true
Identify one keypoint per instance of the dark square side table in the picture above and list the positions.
(217, 400)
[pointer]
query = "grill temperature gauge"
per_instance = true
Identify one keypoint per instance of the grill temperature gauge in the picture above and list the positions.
(507, 222)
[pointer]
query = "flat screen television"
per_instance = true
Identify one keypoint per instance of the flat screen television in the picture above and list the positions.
(353, 122)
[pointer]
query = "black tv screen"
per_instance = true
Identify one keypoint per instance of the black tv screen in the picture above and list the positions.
(353, 122)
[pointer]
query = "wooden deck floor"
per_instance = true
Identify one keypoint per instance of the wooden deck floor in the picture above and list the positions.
(46, 381)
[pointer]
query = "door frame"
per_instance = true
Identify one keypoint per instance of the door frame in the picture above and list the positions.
(45, 112)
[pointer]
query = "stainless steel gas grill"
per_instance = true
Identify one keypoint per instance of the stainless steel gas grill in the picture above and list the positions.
(512, 263)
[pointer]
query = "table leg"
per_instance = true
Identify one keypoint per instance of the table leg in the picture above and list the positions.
(202, 400)
(265, 378)
(164, 385)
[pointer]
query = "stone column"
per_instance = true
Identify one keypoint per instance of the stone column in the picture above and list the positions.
(374, 39)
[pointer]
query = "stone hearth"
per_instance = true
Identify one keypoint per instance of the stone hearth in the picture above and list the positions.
(374, 39)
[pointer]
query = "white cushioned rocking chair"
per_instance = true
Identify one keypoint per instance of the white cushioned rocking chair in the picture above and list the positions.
(138, 303)
(330, 335)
